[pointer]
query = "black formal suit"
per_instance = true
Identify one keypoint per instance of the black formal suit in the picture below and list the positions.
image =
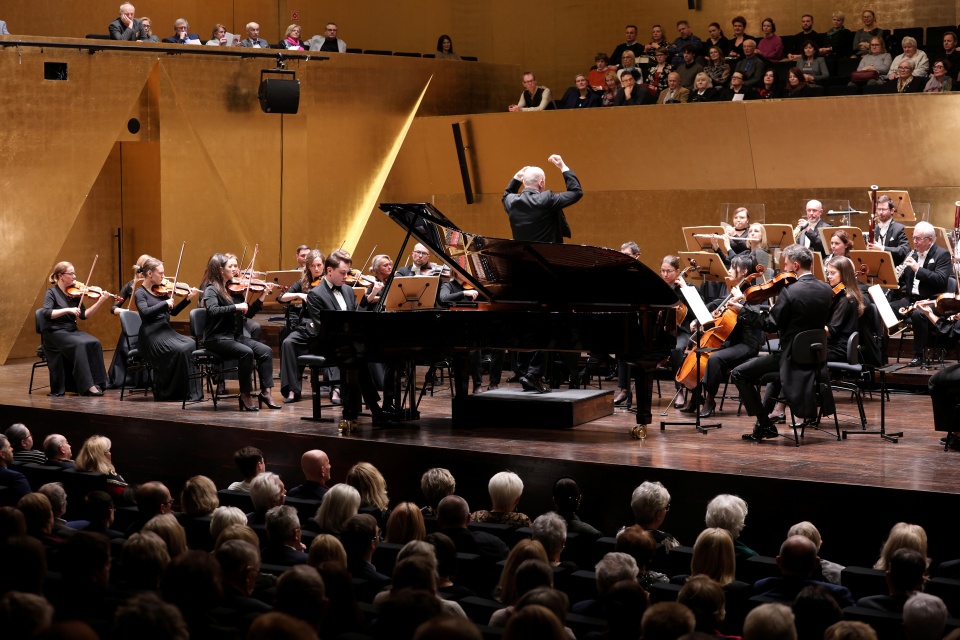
(895, 241)
(414, 270)
(120, 31)
(944, 385)
(320, 300)
(538, 216)
(932, 275)
(801, 306)
(282, 555)
(174, 39)
(890, 604)
(812, 235)
(785, 589)
(915, 85)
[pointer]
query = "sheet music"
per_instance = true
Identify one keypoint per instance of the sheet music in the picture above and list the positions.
(886, 311)
(695, 303)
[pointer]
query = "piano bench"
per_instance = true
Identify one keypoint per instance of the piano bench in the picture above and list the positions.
(316, 364)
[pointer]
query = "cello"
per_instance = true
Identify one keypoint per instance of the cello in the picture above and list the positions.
(714, 337)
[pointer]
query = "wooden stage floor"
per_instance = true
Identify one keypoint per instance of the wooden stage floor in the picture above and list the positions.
(843, 481)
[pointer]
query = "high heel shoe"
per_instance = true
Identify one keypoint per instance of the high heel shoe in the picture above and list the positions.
(264, 400)
(244, 407)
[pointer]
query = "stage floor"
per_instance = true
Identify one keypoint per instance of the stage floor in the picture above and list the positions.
(917, 462)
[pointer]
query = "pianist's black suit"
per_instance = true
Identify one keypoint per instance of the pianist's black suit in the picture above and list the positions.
(321, 299)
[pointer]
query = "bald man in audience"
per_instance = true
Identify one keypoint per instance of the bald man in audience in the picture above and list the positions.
(254, 41)
(126, 27)
(797, 561)
(316, 469)
(58, 451)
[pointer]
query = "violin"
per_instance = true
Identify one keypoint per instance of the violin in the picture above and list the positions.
(839, 288)
(356, 279)
(168, 287)
(79, 290)
(240, 285)
(760, 292)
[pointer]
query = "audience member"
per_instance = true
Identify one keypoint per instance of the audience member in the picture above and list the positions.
(940, 80)
(612, 568)
(628, 64)
(684, 39)
(611, 89)
(181, 33)
(580, 96)
(339, 504)
(38, 514)
(84, 591)
(57, 496)
(283, 537)
(302, 594)
(326, 548)
(527, 549)
(329, 41)
(903, 536)
(739, 37)
(667, 621)
(266, 492)
(436, 484)
(924, 617)
(876, 61)
(689, 68)
(850, 630)
(223, 517)
(717, 39)
(343, 612)
(360, 537)
(829, 570)
(730, 512)
(770, 46)
(3, 28)
(750, 67)
(535, 621)
(905, 576)
(316, 469)
(25, 563)
(658, 40)
(453, 516)
(445, 49)
(12, 523)
(534, 97)
(629, 93)
(198, 497)
(813, 67)
(863, 37)
(274, 625)
(95, 456)
(550, 530)
(372, 487)
(250, 462)
(13, 480)
(631, 44)
(147, 616)
(650, 503)
(771, 621)
(596, 75)
(58, 451)
(703, 90)
(641, 546)
(253, 39)
(169, 530)
(624, 606)
(505, 489)
(706, 600)
(99, 512)
(814, 610)
(770, 89)
(193, 584)
(153, 499)
(405, 524)
(447, 628)
(446, 554)
(24, 615)
(919, 60)
(417, 572)
(402, 614)
(836, 41)
(659, 72)
(146, 31)
(291, 39)
(218, 37)
(21, 441)
(238, 532)
(950, 51)
(797, 562)
(143, 560)
(806, 33)
(125, 27)
(716, 67)
(566, 501)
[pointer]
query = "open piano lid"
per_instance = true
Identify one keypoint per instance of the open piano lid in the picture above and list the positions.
(534, 272)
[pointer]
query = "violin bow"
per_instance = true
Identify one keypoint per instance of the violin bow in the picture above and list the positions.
(364, 267)
(133, 286)
(246, 291)
(176, 273)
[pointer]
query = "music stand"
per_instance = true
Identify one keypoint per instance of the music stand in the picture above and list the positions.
(284, 279)
(890, 321)
(817, 269)
(695, 304)
(710, 265)
(779, 236)
(412, 292)
(854, 233)
(903, 208)
(700, 244)
(879, 268)
(943, 239)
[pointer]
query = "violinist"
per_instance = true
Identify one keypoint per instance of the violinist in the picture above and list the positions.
(670, 272)
(847, 306)
(801, 306)
(944, 385)
(167, 351)
(742, 343)
(295, 343)
(381, 267)
(421, 263)
(889, 235)
(118, 366)
(66, 346)
(223, 333)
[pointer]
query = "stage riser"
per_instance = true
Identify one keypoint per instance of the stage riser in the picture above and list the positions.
(559, 409)
(853, 520)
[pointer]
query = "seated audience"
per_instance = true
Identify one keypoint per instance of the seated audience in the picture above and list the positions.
(612, 568)
(534, 97)
(921, 64)
(126, 27)
(730, 512)
(218, 37)
(650, 503)
(417, 571)
(829, 570)
(628, 64)
(360, 537)
(814, 610)
(526, 549)
(266, 492)
(181, 34)
(250, 462)
(580, 96)
(813, 67)
(717, 68)
(595, 78)
(770, 621)
(640, 546)
(446, 553)
(224, 517)
(331, 43)
(24, 615)
(751, 66)
(445, 49)
(57, 496)
(198, 500)
(143, 560)
(667, 621)
(862, 37)
(153, 499)
(657, 75)
(770, 46)
(706, 600)
(170, 531)
(717, 39)
(797, 562)
(903, 536)
(301, 593)
(689, 68)
(836, 41)
(38, 515)
(146, 31)
(940, 80)
(193, 584)
(370, 483)
(291, 39)
(703, 90)
(924, 617)
(84, 592)
(283, 538)
(797, 86)
(326, 548)
(850, 630)
(770, 90)
(566, 501)
(405, 524)
(315, 465)
(95, 456)
(99, 512)
(58, 451)
(253, 39)
(21, 441)
(339, 505)
(240, 568)
(630, 93)
(658, 40)
(674, 93)
(876, 61)
(738, 90)
(611, 88)
(15, 481)
(436, 484)
(905, 576)
(453, 515)
(505, 489)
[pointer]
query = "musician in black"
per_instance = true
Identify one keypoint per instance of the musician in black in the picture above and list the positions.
(889, 235)
(294, 344)
(801, 306)
(455, 291)
(807, 232)
(944, 385)
(925, 274)
(421, 263)
(333, 295)
(536, 215)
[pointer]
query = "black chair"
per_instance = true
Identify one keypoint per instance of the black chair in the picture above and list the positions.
(40, 474)
(354, 50)
(40, 323)
(98, 36)
(134, 362)
(889, 626)
(210, 366)
(757, 568)
(378, 52)
(317, 365)
(234, 498)
(843, 90)
(406, 54)
(851, 368)
(479, 610)
(469, 58)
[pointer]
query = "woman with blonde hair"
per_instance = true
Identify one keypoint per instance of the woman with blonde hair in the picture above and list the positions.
(903, 536)
(223, 517)
(291, 39)
(527, 549)
(170, 531)
(118, 365)
(612, 86)
(327, 548)
(339, 505)
(95, 456)
(713, 556)
(370, 484)
(405, 524)
(66, 348)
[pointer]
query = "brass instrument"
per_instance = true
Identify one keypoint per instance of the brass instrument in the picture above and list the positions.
(803, 224)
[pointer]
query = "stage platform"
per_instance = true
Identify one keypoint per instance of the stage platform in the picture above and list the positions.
(853, 489)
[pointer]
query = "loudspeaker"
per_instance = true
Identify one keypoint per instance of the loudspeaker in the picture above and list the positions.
(462, 159)
(279, 96)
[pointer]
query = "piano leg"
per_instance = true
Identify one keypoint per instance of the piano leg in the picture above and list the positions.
(643, 394)
(460, 366)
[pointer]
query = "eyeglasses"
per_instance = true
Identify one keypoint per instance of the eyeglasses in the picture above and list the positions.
(421, 253)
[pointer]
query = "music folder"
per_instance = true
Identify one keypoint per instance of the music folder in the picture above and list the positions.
(879, 268)
(695, 303)
(854, 233)
(887, 315)
(709, 265)
(412, 292)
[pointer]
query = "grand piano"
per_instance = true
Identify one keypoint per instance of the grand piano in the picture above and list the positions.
(533, 296)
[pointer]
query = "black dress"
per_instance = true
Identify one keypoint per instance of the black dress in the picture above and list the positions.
(75, 358)
(118, 366)
(167, 351)
(223, 335)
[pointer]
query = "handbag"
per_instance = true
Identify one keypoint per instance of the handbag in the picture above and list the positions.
(864, 76)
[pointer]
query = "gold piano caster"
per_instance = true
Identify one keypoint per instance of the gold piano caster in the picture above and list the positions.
(639, 432)
(346, 427)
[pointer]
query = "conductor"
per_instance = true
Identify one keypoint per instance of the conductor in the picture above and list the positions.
(536, 215)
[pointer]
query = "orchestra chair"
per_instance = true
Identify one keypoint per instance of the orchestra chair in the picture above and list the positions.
(210, 367)
(850, 369)
(134, 361)
(317, 364)
(40, 324)
(864, 581)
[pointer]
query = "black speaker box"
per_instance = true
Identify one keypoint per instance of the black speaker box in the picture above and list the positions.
(279, 96)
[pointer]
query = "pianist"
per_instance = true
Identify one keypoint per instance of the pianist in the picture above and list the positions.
(536, 215)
